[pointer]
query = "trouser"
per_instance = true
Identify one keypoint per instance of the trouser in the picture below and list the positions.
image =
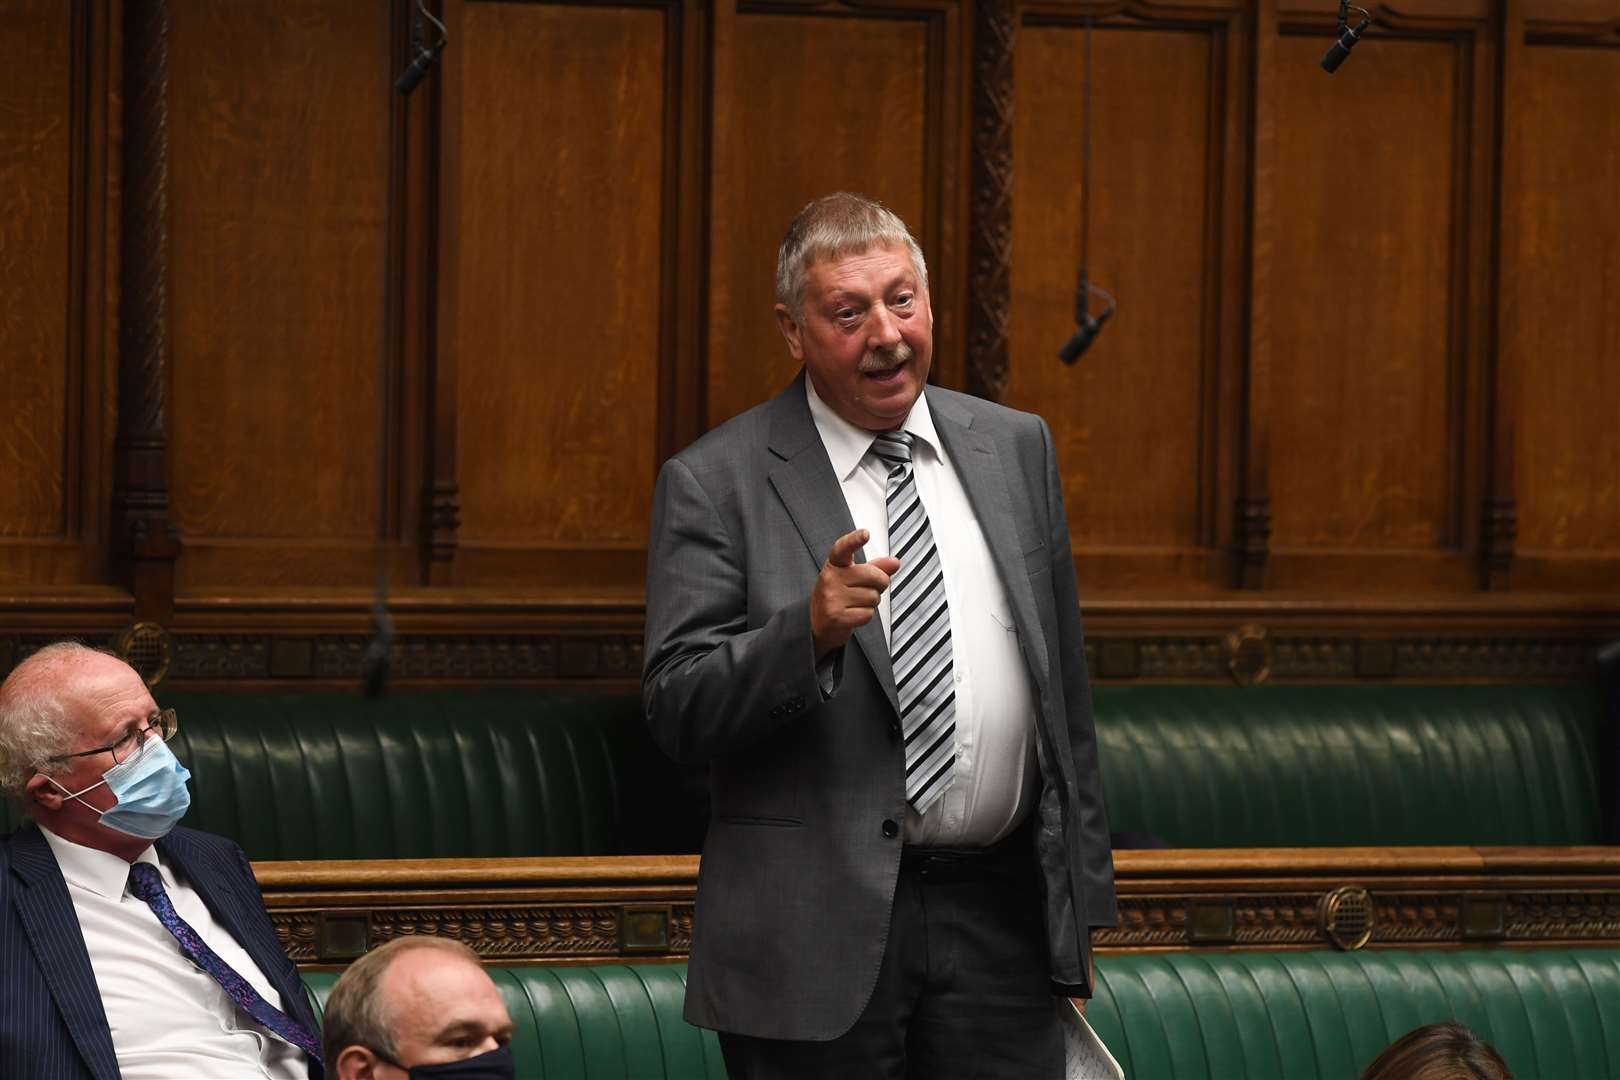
(963, 992)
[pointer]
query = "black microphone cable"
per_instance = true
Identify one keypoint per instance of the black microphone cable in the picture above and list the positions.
(1087, 325)
(426, 57)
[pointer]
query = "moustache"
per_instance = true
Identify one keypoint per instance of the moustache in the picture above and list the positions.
(883, 359)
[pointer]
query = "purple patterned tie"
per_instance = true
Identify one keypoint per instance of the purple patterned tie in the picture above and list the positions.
(146, 883)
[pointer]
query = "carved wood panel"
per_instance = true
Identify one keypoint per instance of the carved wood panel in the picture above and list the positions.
(805, 104)
(1130, 419)
(562, 166)
(1567, 350)
(279, 173)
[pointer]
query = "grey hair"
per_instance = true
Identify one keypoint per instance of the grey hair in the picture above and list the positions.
(34, 718)
(357, 1015)
(834, 226)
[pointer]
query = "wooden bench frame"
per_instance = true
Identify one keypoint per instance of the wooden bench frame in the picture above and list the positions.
(574, 910)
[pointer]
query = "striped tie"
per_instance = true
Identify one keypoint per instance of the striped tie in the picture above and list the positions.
(919, 632)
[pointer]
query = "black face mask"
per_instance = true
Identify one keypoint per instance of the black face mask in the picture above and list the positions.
(495, 1065)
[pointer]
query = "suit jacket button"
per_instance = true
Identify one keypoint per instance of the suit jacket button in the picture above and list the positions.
(890, 829)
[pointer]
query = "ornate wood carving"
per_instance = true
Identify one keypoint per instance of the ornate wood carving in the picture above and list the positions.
(566, 910)
(144, 540)
(612, 657)
(990, 220)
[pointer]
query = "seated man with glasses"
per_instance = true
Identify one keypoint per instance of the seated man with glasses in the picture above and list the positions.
(128, 947)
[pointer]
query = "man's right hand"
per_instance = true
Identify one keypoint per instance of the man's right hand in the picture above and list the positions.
(847, 592)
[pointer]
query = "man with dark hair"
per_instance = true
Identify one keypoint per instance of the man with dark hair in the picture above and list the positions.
(128, 947)
(862, 614)
(418, 1007)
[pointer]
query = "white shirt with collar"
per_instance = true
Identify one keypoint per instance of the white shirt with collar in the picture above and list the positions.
(169, 1019)
(993, 783)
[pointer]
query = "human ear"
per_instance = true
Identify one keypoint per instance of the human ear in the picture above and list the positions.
(355, 1063)
(790, 331)
(40, 792)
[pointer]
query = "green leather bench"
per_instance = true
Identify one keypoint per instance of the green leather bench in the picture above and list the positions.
(465, 774)
(618, 1021)
(1331, 766)
(1553, 1014)
(542, 773)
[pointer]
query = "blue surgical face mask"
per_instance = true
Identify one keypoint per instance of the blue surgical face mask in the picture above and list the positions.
(151, 792)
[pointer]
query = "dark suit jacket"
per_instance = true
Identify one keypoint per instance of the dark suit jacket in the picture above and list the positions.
(800, 863)
(52, 1026)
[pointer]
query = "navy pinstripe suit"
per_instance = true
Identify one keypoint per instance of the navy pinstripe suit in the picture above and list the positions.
(52, 1026)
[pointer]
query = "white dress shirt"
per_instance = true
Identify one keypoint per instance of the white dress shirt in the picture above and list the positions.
(170, 1020)
(993, 782)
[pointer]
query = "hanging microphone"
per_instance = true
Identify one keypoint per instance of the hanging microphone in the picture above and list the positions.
(379, 658)
(1088, 326)
(1348, 36)
(419, 69)
(427, 56)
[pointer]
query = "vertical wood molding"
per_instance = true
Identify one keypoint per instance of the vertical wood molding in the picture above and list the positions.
(144, 540)
(1499, 517)
(990, 215)
(1252, 523)
(441, 495)
(682, 400)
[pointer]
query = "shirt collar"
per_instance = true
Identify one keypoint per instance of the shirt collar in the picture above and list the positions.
(100, 872)
(847, 444)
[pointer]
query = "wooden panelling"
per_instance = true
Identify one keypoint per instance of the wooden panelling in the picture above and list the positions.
(54, 244)
(1129, 418)
(36, 157)
(1365, 350)
(1567, 350)
(562, 162)
(279, 175)
(805, 105)
(565, 910)
(1364, 448)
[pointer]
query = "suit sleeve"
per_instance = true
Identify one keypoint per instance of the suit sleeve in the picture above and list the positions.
(1097, 868)
(710, 684)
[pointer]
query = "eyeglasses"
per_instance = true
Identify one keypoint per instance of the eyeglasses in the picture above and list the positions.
(162, 723)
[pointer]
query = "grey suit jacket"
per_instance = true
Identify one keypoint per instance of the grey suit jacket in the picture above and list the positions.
(799, 866)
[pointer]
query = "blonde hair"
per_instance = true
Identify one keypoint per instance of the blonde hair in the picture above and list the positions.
(1448, 1051)
(834, 226)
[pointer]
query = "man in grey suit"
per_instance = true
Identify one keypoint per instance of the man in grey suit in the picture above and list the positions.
(862, 614)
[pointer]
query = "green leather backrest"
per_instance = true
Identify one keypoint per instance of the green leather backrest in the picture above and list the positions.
(1552, 1014)
(458, 774)
(510, 772)
(608, 1022)
(1308, 766)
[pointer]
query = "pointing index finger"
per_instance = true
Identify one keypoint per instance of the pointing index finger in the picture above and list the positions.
(845, 547)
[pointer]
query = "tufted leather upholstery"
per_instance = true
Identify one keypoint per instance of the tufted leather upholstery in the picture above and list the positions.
(612, 1022)
(462, 774)
(510, 772)
(1553, 1014)
(1323, 766)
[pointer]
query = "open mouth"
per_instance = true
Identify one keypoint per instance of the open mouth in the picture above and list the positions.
(887, 375)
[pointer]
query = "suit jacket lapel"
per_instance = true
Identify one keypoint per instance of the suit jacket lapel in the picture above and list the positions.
(978, 464)
(52, 925)
(805, 482)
